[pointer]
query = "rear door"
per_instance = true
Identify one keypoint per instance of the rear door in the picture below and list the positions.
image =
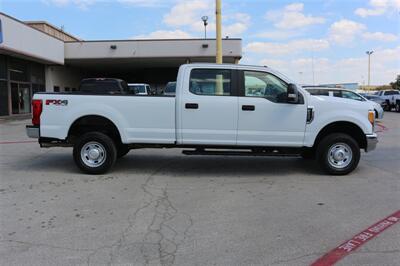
(209, 107)
(265, 117)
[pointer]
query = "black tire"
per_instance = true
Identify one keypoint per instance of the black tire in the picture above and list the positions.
(122, 150)
(388, 107)
(324, 154)
(397, 106)
(107, 154)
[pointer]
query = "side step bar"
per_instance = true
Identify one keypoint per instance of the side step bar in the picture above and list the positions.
(239, 153)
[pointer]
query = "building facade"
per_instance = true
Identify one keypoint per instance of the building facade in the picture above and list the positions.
(37, 56)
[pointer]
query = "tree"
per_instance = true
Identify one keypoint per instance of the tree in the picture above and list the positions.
(396, 84)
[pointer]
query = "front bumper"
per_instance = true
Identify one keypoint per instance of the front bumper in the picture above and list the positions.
(33, 131)
(372, 141)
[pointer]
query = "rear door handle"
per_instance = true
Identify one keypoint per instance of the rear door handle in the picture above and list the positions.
(192, 106)
(248, 107)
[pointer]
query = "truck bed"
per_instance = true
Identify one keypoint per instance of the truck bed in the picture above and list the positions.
(142, 119)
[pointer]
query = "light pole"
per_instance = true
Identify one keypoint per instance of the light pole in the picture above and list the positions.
(301, 76)
(205, 19)
(369, 53)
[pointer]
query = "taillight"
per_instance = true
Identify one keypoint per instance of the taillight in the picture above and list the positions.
(36, 112)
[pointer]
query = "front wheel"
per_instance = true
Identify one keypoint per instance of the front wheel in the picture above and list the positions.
(338, 154)
(95, 153)
(398, 107)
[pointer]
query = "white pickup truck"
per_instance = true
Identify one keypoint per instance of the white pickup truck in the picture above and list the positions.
(217, 110)
(391, 98)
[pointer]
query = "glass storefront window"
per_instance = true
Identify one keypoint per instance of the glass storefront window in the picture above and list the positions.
(37, 73)
(3, 67)
(3, 97)
(19, 80)
(18, 69)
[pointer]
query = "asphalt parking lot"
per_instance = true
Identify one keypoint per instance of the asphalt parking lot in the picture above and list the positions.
(159, 207)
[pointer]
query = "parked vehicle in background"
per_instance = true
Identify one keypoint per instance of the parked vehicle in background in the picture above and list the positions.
(395, 101)
(170, 89)
(140, 88)
(397, 104)
(371, 97)
(348, 94)
(219, 109)
(391, 97)
(103, 86)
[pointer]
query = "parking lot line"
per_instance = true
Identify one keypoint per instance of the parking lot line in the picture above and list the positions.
(18, 142)
(356, 241)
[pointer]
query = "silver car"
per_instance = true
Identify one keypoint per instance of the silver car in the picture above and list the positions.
(348, 94)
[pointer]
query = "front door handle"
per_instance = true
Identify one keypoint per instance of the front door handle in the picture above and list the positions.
(192, 106)
(248, 107)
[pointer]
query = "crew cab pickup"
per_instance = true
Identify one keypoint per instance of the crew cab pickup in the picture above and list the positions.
(391, 97)
(218, 109)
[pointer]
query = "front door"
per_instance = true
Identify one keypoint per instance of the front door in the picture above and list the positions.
(209, 109)
(20, 98)
(265, 117)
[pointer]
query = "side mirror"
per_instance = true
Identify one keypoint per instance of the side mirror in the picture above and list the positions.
(292, 94)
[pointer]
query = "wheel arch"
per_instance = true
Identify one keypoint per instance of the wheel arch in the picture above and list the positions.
(345, 127)
(88, 123)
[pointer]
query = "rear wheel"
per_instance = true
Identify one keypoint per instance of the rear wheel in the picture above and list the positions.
(95, 153)
(338, 154)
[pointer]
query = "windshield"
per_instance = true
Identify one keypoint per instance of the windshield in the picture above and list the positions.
(170, 88)
(371, 97)
(102, 86)
(137, 88)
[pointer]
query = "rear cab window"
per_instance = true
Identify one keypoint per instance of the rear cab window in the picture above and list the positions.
(391, 92)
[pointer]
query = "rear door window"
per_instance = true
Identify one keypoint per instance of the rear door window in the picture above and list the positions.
(213, 82)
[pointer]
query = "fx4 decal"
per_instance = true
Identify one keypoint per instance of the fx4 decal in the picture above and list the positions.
(57, 102)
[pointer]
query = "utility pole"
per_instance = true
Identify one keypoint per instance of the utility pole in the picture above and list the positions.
(219, 86)
(219, 33)
(369, 53)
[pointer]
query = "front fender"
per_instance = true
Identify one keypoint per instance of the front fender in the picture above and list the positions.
(326, 113)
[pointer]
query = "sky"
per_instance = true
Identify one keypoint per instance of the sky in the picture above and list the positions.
(313, 41)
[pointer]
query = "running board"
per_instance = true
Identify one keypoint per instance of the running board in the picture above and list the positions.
(238, 153)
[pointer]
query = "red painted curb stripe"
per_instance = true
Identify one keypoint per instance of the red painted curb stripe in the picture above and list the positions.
(382, 128)
(358, 240)
(17, 142)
